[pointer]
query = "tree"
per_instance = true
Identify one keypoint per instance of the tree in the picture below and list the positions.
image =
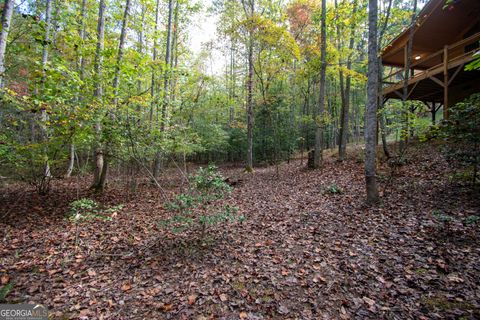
(345, 89)
(249, 8)
(43, 111)
(98, 94)
(406, 77)
(371, 108)
(317, 159)
(6, 20)
(168, 59)
(81, 72)
(121, 48)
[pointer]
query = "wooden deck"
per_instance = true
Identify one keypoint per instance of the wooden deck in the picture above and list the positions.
(437, 77)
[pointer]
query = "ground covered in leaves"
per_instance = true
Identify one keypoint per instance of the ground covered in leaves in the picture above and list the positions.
(308, 249)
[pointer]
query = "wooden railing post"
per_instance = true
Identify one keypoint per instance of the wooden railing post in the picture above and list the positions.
(445, 82)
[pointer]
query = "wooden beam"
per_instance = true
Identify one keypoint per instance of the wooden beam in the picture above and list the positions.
(460, 67)
(445, 80)
(436, 80)
(411, 90)
(433, 110)
(430, 72)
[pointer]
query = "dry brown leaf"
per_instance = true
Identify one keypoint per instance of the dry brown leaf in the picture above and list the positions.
(223, 297)
(167, 307)
(126, 287)
(4, 279)
(369, 301)
(192, 298)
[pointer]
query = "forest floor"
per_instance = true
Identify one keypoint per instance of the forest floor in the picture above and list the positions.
(303, 252)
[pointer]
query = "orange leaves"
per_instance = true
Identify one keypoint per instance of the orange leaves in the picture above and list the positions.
(126, 287)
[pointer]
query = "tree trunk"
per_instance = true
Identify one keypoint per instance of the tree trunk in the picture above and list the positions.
(249, 166)
(81, 68)
(381, 117)
(168, 64)
(154, 58)
(344, 115)
(121, 48)
(174, 55)
(6, 19)
(71, 161)
(99, 161)
(43, 111)
(408, 61)
(168, 52)
(371, 110)
(140, 47)
(317, 161)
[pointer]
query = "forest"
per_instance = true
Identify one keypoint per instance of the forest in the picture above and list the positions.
(310, 159)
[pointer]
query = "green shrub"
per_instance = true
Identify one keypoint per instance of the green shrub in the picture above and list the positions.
(461, 133)
(5, 290)
(196, 209)
(334, 189)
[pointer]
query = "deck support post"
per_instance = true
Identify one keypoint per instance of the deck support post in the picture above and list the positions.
(445, 82)
(433, 110)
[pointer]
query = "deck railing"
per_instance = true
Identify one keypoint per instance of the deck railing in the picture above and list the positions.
(449, 57)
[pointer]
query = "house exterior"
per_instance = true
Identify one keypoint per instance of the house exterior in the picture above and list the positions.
(446, 37)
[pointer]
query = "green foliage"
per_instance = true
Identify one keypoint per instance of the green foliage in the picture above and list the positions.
(197, 209)
(334, 189)
(471, 220)
(462, 135)
(209, 183)
(87, 209)
(5, 290)
(442, 217)
(445, 220)
(475, 64)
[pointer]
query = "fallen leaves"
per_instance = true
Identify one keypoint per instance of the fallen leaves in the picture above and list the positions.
(4, 279)
(126, 287)
(192, 298)
(299, 254)
(223, 297)
(369, 301)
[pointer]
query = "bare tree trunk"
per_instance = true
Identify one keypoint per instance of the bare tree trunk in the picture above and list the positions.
(168, 64)
(371, 112)
(174, 55)
(6, 19)
(344, 116)
(71, 161)
(99, 161)
(154, 58)
(121, 48)
(102, 179)
(381, 117)
(157, 166)
(249, 11)
(43, 111)
(81, 68)
(317, 159)
(140, 45)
